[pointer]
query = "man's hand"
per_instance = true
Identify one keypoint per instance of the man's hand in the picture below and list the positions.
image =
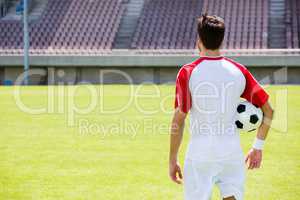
(254, 158)
(177, 127)
(175, 172)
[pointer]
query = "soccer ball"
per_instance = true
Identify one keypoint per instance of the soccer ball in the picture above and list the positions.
(248, 117)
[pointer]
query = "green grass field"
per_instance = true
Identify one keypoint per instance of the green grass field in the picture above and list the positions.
(50, 156)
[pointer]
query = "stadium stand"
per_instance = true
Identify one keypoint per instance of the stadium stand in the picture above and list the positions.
(293, 23)
(146, 39)
(277, 24)
(66, 26)
(172, 24)
(128, 24)
(75, 27)
(167, 25)
(246, 22)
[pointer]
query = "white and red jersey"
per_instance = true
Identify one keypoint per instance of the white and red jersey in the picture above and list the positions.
(210, 89)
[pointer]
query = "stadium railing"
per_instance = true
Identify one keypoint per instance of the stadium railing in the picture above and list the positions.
(144, 58)
(234, 52)
(156, 52)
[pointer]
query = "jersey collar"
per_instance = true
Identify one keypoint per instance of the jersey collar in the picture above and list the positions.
(212, 57)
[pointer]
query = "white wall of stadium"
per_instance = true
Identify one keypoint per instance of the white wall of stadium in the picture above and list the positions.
(114, 69)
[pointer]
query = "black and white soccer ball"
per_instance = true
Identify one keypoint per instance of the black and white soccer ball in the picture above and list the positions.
(248, 117)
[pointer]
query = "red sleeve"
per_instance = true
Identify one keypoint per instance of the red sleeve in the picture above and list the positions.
(183, 98)
(253, 92)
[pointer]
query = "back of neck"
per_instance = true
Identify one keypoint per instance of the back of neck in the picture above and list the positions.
(210, 53)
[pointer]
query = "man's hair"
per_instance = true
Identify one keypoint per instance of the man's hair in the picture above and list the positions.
(211, 31)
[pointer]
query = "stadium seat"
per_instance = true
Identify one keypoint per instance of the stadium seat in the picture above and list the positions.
(167, 25)
(293, 22)
(68, 25)
(172, 24)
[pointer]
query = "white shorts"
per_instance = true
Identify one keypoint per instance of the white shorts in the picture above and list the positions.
(201, 176)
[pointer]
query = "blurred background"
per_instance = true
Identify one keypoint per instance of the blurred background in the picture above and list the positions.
(147, 39)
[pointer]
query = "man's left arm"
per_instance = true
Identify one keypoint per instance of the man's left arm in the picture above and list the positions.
(254, 156)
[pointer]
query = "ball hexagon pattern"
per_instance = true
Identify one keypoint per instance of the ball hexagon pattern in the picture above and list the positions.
(241, 108)
(254, 119)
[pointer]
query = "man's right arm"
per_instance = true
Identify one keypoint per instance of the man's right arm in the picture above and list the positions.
(177, 128)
